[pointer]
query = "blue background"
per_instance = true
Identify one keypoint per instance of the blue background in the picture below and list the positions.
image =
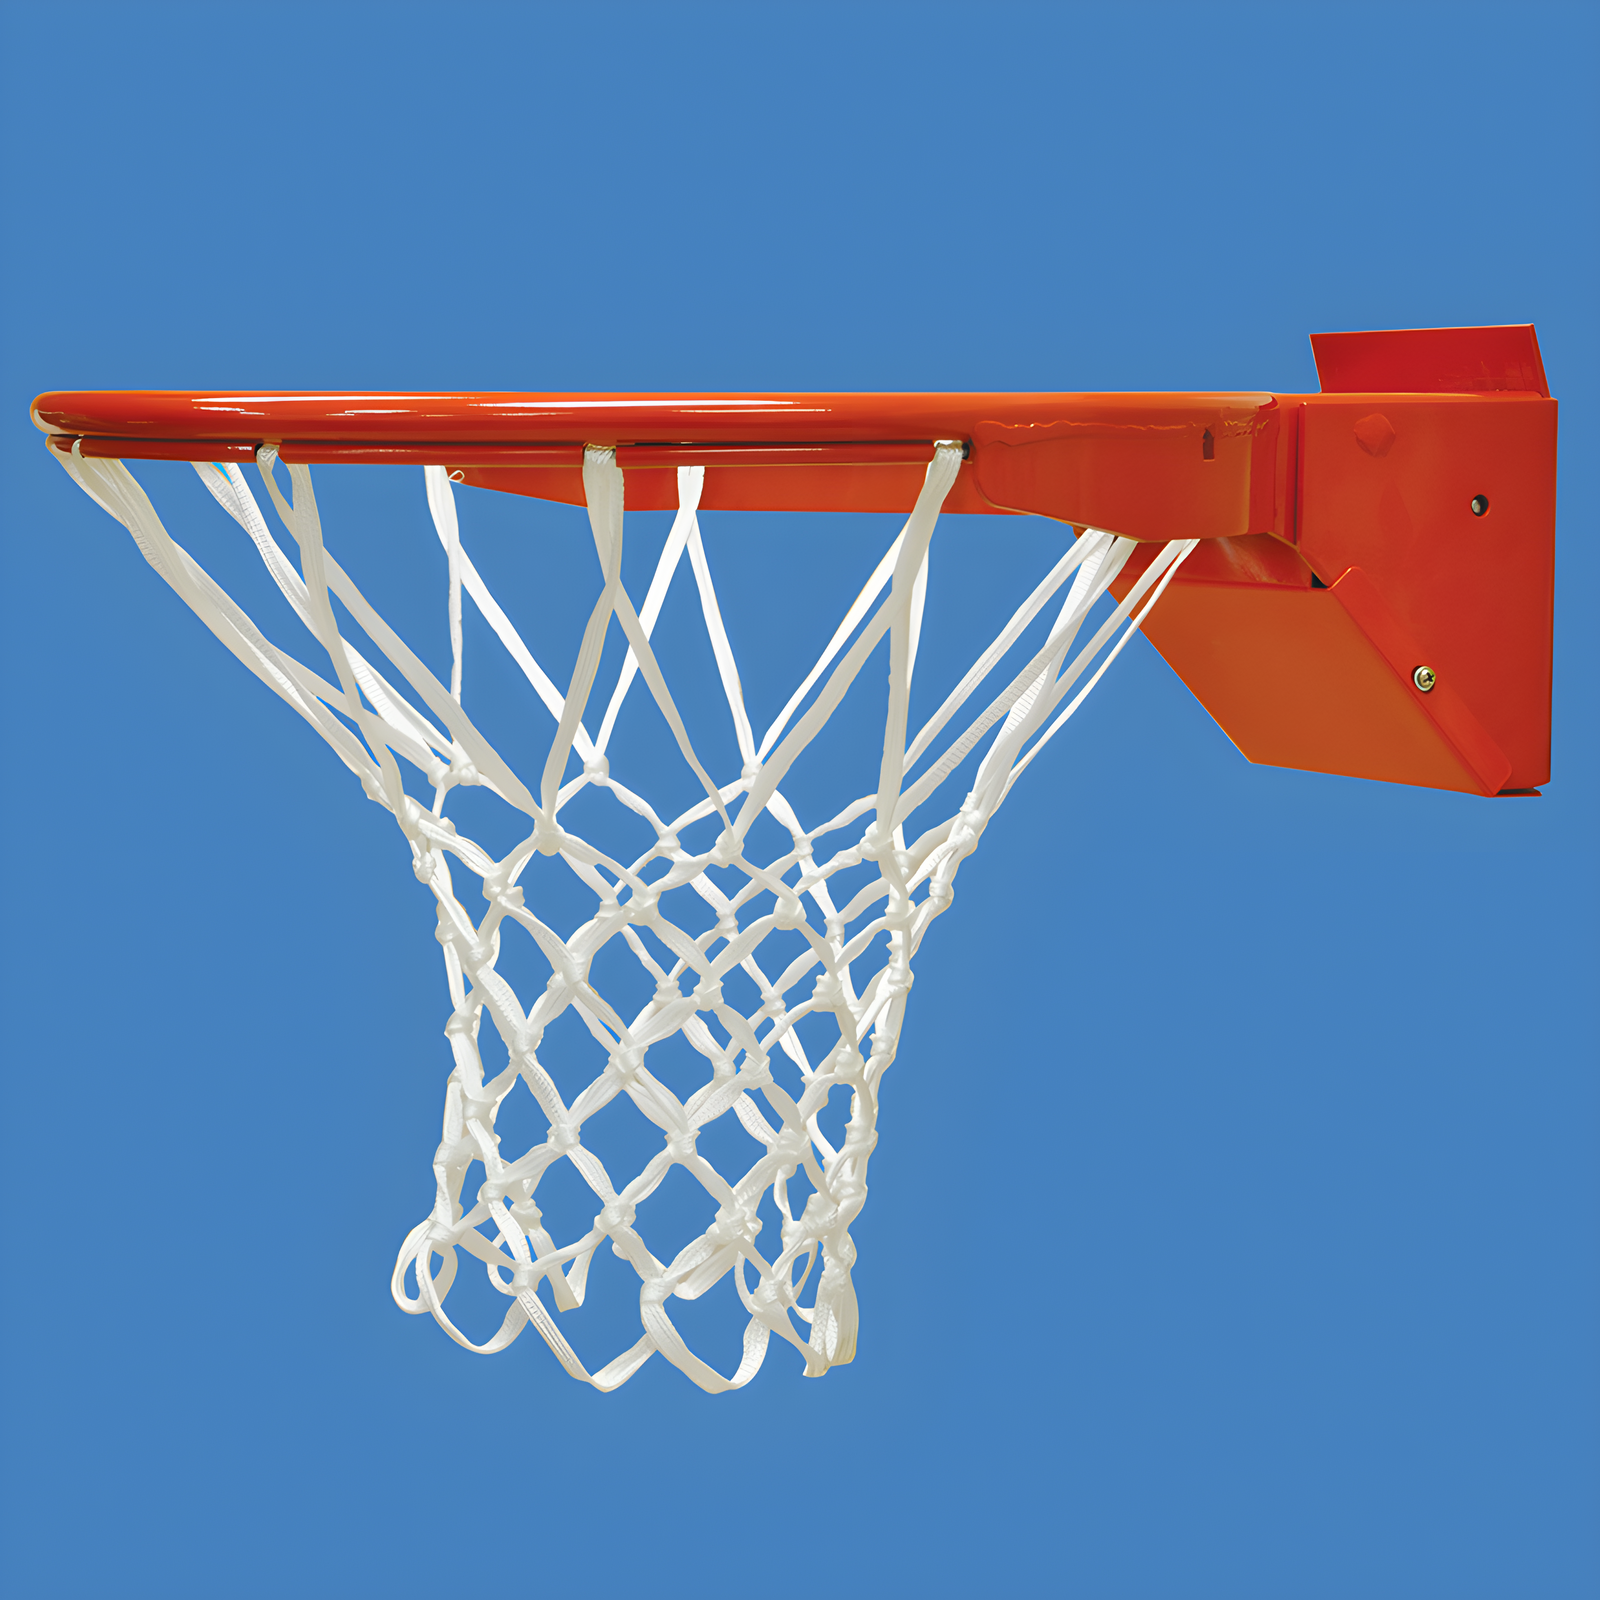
(1277, 1272)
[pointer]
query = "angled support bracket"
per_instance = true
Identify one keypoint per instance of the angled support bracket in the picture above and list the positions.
(1413, 528)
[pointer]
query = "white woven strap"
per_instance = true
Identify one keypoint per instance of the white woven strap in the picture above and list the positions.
(801, 959)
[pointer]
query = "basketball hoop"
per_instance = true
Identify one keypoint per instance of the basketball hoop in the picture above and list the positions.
(1193, 504)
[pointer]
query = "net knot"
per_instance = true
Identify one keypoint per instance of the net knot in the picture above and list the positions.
(470, 950)
(615, 1217)
(749, 772)
(680, 1146)
(495, 882)
(410, 817)
(969, 825)
(859, 1140)
(789, 1146)
(735, 1225)
(789, 912)
(708, 993)
(667, 991)
(459, 770)
(725, 852)
(643, 903)
(562, 1138)
(597, 767)
(548, 836)
(755, 1072)
(845, 1061)
(771, 1302)
(626, 1062)
(850, 1194)
(828, 992)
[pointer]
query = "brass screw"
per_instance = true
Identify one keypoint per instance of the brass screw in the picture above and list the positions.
(1480, 504)
(1424, 678)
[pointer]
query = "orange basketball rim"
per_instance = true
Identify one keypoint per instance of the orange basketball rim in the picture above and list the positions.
(1372, 596)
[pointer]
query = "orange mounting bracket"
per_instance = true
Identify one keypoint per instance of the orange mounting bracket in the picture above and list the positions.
(1395, 620)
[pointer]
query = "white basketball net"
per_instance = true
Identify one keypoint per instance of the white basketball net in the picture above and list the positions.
(849, 963)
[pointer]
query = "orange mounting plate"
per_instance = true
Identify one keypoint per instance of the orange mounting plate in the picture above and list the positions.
(1373, 595)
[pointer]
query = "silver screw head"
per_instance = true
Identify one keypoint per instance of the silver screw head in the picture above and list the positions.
(1424, 678)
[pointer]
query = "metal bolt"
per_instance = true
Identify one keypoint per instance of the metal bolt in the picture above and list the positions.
(1424, 678)
(1480, 504)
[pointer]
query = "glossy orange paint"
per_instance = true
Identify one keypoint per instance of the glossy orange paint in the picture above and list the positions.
(1342, 546)
(1432, 361)
(1134, 462)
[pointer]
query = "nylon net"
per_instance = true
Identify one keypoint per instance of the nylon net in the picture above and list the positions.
(771, 930)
